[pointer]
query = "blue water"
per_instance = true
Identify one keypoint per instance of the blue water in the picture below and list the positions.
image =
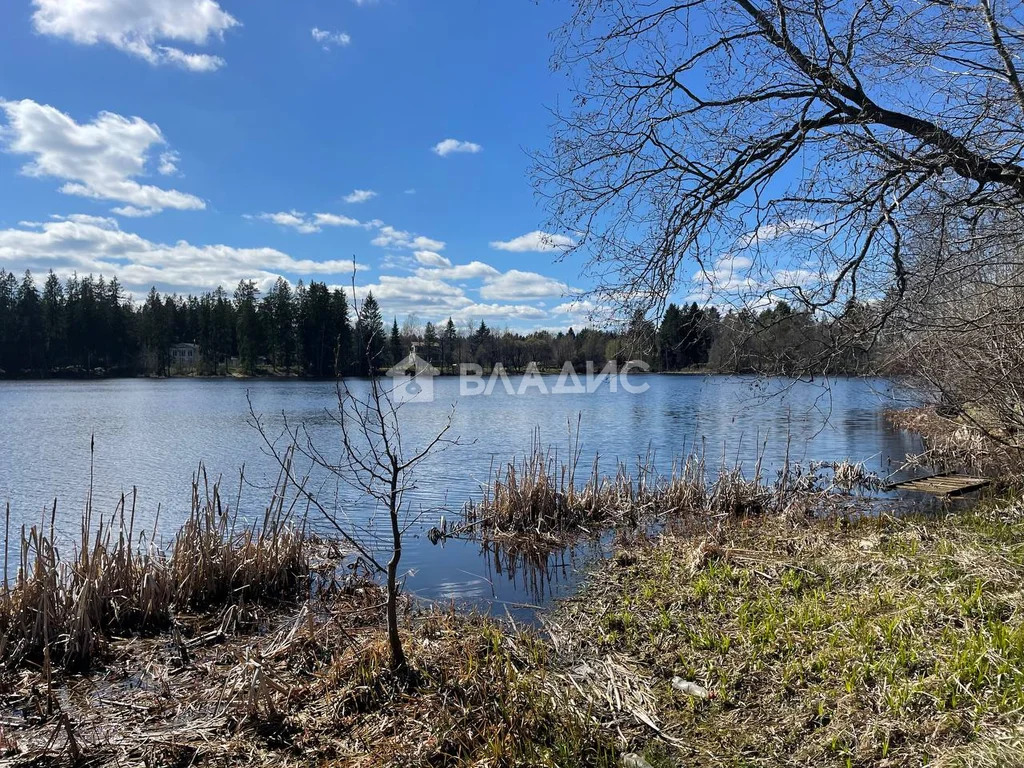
(152, 434)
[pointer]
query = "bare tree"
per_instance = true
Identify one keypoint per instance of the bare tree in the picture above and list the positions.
(375, 462)
(703, 132)
(959, 327)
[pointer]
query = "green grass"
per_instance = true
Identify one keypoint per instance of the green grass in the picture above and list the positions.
(895, 642)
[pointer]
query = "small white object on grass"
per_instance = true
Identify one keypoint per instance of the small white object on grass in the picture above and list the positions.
(690, 688)
(633, 760)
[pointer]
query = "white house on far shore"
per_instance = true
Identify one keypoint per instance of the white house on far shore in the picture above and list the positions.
(184, 356)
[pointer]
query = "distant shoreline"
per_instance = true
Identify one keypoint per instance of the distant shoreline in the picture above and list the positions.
(486, 374)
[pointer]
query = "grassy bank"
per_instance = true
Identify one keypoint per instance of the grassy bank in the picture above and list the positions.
(883, 642)
(737, 641)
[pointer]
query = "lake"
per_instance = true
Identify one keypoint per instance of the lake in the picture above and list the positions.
(152, 434)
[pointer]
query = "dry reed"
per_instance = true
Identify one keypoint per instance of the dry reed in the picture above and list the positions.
(537, 497)
(61, 609)
(954, 445)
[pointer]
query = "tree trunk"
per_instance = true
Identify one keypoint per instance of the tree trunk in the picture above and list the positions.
(398, 661)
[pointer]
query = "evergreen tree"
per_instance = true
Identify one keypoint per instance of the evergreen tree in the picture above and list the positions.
(119, 347)
(341, 332)
(395, 344)
(670, 339)
(90, 323)
(277, 313)
(223, 328)
(430, 343)
(247, 326)
(371, 342)
(449, 343)
(316, 347)
(156, 332)
(481, 346)
(8, 320)
(54, 326)
(31, 337)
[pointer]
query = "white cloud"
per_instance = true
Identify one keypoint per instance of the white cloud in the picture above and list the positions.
(431, 259)
(515, 284)
(292, 219)
(472, 271)
(410, 191)
(534, 242)
(427, 244)
(329, 39)
(139, 27)
(429, 294)
(97, 244)
(360, 195)
(168, 163)
(130, 211)
(93, 244)
(390, 237)
(335, 220)
(729, 274)
(501, 311)
(99, 159)
(586, 312)
(449, 146)
(197, 62)
(768, 232)
(387, 236)
(414, 294)
(305, 223)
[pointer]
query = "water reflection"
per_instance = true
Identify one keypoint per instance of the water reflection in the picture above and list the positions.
(152, 434)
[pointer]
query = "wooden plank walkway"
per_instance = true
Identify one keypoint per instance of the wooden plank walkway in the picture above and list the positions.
(943, 484)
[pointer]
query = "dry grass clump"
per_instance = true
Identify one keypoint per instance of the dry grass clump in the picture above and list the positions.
(953, 445)
(60, 609)
(319, 690)
(215, 557)
(537, 500)
(481, 694)
(880, 643)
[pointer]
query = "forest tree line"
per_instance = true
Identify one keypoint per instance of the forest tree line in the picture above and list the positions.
(92, 326)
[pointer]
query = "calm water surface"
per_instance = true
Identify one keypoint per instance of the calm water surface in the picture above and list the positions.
(152, 434)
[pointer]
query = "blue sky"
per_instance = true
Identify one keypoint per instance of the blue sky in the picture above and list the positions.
(186, 143)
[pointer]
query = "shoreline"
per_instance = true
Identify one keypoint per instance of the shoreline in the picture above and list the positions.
(825, 642)
(809, 378)
(765, 623)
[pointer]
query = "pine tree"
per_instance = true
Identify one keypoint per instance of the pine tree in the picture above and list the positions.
(395, 343)
(54, 322)
(341, 333)
(480, 345)
(670, 339)
(156, 332)
(247, 325)
(8, 320)
(316, 348)
(223, 327)
(278, 324)
(371, 342)
(430, 343)
(640, 337)
(30, 339)
(449, 342)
